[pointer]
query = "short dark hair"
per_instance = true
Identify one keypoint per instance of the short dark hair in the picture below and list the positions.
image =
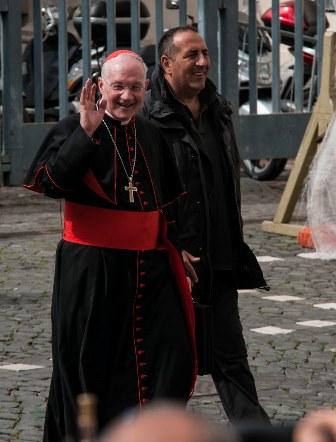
(166, 44)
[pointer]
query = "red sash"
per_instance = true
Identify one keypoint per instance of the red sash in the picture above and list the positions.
(116, 229)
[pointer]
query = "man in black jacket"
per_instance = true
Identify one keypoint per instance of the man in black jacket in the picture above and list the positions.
(196, 122)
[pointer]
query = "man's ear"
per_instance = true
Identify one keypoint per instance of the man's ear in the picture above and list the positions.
(166, 64)
(100, 83)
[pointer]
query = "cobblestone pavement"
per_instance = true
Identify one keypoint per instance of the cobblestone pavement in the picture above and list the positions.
(290, 334)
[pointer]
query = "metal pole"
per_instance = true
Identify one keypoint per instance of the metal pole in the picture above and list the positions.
(208, 27)
(275, 56)
(252, 53)
(62, 59)
(321, 25)
(38, 64)
(298, 39)
(86, 40)
(228, 52)
(135, 28)
(159, 25)
(12, 148)
(183, 12)
(111, 35)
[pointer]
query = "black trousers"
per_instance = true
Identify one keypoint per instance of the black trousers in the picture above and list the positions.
(231, 372)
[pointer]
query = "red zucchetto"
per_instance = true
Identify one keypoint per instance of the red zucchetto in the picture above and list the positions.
(121, 52)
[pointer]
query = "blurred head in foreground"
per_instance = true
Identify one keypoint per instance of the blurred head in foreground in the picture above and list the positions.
(166, 422)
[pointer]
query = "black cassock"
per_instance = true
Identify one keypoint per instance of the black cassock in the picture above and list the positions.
(122, 325)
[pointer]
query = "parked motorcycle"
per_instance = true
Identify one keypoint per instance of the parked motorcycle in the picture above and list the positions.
(270, 168)
(261, 169)
(75, 61)
(98, 17)
(50, 65)
(123, 32)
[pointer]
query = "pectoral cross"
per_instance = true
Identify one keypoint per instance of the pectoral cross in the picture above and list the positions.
(131, 189)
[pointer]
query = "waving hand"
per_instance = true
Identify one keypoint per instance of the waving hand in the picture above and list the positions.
(90, 117)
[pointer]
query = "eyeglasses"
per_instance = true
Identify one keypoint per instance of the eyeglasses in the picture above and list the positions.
(119, 88)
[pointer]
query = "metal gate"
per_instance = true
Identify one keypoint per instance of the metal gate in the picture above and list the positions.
(275, 135)
(288, 88)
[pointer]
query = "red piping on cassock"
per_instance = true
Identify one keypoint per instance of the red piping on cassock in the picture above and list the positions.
(177, 266)
(92, 225)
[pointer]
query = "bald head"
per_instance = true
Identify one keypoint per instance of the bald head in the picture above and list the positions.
(165, 423)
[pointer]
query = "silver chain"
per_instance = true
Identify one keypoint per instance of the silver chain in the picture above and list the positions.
(130, 178)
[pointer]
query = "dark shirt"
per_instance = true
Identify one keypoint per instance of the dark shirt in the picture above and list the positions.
(218, 194)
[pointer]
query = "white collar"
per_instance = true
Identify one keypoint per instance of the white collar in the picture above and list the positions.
(123, 123)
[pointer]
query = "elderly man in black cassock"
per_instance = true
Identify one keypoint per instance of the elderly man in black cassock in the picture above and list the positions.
(122, 319)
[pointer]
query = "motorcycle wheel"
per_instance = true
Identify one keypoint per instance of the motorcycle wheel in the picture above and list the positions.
(264, 169)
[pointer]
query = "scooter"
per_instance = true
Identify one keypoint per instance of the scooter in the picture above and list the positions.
(50, 66)
(264, 59)
(75, 60)
(98, 20)
(261, 169)
(271, 168)
(123, 34)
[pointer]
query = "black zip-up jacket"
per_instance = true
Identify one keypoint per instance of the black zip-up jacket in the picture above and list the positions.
(196, 213)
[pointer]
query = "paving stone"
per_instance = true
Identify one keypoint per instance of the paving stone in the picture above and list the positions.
(294, 373)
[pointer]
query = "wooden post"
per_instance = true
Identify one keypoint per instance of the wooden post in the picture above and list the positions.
(318, 123)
